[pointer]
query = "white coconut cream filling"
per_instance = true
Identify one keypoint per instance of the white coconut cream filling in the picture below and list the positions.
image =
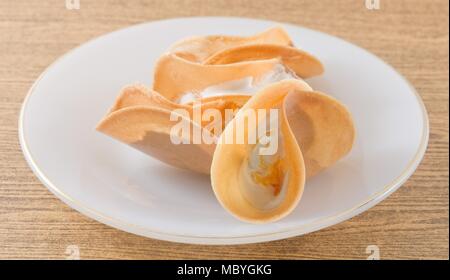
(245, 86)
(263, 178)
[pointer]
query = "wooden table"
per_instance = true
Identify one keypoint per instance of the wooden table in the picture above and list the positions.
(411, 35)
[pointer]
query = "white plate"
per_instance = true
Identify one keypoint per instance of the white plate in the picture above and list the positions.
(119, 186)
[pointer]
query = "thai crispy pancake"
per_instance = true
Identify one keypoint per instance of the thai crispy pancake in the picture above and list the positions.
(314, 130)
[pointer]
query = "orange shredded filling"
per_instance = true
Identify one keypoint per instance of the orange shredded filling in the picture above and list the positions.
(273, 177)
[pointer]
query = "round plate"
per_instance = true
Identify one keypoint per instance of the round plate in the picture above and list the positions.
(121, 187)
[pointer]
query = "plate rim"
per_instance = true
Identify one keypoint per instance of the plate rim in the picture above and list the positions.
(315, 225)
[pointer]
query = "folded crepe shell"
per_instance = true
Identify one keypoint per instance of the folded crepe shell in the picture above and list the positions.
(174, 77)
(143, 121)
(140, 95)
(323, 127)
(259, 188)
(302, 63)
(198, 49)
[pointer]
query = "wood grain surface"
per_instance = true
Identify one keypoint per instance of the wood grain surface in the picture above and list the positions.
(411, 35)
